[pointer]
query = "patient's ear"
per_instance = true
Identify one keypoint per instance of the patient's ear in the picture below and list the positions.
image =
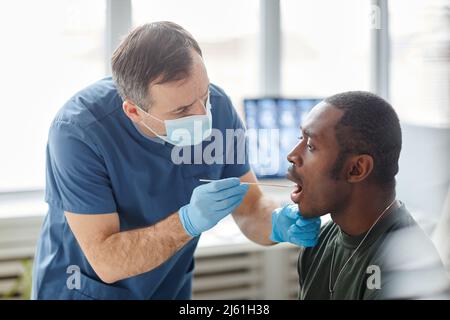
(359, 168)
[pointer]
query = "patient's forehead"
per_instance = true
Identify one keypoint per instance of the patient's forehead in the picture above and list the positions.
(321, 121)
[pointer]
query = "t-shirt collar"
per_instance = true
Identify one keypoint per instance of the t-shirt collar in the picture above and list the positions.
(352, 242)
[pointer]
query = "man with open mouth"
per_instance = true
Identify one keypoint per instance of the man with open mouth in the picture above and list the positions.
(345, 165)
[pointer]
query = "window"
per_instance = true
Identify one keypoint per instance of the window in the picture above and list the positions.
(51, 49)
(325, 47)
(420, 67)
(227, 32)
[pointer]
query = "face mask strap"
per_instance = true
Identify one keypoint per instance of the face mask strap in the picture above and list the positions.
(148, 114)
(145, 125)
(158, 135)
(205, 106)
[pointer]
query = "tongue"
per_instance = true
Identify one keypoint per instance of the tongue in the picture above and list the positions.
(295, 195)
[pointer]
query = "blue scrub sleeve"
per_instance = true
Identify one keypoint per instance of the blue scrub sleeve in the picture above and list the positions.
(239, 153)
(77, 180)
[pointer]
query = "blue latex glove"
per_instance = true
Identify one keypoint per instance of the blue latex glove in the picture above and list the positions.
(289, 226)
(210, 203)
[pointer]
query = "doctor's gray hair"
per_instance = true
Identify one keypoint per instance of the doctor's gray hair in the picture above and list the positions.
(154, 53)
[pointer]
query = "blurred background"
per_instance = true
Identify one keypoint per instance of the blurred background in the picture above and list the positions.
(275, 59)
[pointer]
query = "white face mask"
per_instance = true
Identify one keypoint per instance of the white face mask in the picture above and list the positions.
(186, 131)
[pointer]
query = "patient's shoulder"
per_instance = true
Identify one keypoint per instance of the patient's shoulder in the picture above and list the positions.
(410, 263)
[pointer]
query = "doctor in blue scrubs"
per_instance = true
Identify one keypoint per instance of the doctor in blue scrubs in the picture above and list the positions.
(124, 213)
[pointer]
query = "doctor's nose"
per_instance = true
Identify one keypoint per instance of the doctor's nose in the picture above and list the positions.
(199, 108)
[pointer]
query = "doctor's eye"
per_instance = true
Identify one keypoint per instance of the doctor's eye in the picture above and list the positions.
(181, 110)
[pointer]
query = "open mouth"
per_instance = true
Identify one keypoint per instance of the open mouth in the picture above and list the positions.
(298, 189)
(296, 193)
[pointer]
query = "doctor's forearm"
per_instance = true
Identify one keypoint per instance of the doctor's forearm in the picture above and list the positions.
(256, 223)
(126, 254)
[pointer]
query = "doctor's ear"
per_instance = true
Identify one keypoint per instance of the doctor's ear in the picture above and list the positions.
(131, 111)
(359, 168)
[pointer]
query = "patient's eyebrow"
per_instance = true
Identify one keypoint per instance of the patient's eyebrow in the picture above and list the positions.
(308, 132)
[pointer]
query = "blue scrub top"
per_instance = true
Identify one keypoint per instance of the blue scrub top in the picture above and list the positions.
(98, 162)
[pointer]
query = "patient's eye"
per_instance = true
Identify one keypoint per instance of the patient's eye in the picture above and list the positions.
(309, 145)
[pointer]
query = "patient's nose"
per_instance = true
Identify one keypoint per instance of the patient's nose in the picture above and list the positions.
(294, 157)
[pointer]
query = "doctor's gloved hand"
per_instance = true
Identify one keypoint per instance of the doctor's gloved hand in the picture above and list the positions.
(289, 226)
(210, 203)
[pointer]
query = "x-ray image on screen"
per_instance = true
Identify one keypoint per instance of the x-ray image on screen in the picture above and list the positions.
(274, 128)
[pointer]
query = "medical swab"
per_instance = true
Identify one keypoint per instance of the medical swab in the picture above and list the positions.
(257, 183)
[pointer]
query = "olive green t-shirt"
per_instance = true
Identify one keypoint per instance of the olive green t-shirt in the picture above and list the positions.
(396, 260)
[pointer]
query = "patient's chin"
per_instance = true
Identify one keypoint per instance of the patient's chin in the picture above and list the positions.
(305, 213)
(308, 216)
(308, 212)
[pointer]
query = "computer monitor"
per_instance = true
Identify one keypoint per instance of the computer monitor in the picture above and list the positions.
(273, 130)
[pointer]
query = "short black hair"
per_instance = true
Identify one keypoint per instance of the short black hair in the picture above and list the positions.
(369, 125)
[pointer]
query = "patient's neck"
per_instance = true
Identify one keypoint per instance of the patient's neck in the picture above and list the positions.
(363, 210)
